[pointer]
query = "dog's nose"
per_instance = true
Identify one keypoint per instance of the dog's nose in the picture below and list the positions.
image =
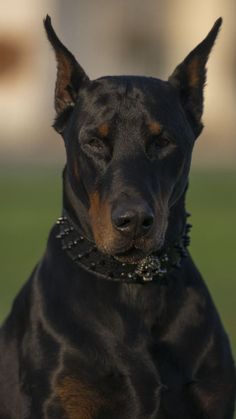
(136, 221)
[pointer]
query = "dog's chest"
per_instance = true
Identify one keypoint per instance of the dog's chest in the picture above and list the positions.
(114, 372)
(118, 376)
(127, 387)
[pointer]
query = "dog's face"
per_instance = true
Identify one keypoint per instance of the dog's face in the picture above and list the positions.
(129, 142)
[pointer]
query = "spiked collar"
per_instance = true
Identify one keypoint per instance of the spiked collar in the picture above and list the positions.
(153, 267)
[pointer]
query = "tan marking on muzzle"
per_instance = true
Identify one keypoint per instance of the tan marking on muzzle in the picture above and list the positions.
(100, 216)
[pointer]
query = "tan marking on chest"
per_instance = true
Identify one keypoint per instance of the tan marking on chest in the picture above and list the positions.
(78, 400)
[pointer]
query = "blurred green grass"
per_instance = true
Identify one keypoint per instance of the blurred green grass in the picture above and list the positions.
(31, 202)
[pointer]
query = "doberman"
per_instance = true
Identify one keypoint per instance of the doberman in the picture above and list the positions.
(116, 322)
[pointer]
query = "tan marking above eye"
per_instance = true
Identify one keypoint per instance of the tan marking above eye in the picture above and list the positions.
(155, 127)
(103, 129)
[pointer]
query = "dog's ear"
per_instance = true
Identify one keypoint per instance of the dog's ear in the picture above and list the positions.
(70, 75)
(189, 78)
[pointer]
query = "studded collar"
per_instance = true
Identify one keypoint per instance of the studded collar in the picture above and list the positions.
(85, 254)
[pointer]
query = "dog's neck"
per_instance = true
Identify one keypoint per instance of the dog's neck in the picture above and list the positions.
(77, 242)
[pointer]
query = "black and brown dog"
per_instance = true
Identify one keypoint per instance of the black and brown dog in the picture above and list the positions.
(116, 321)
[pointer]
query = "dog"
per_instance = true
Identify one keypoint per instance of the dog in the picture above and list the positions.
(115, 321)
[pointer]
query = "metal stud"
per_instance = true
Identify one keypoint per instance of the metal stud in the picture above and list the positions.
(67, 231)
(61, 220)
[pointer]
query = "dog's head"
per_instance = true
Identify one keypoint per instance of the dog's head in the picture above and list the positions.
(129, 142)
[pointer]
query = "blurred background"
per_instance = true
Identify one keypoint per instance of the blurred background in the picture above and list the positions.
(112, 37)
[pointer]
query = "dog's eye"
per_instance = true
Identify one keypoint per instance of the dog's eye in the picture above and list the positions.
(160, 146)
(97, 148)
(96, 144)
(161, 142)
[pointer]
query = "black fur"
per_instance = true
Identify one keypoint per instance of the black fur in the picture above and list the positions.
(76, 346)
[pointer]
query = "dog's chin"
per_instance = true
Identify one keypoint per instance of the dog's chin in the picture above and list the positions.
(131, 256)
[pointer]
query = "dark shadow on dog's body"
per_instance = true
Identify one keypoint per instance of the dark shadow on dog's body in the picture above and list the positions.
(116, 321)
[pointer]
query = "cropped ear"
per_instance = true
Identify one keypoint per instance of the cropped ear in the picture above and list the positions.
(190, 77)
(70, 75)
